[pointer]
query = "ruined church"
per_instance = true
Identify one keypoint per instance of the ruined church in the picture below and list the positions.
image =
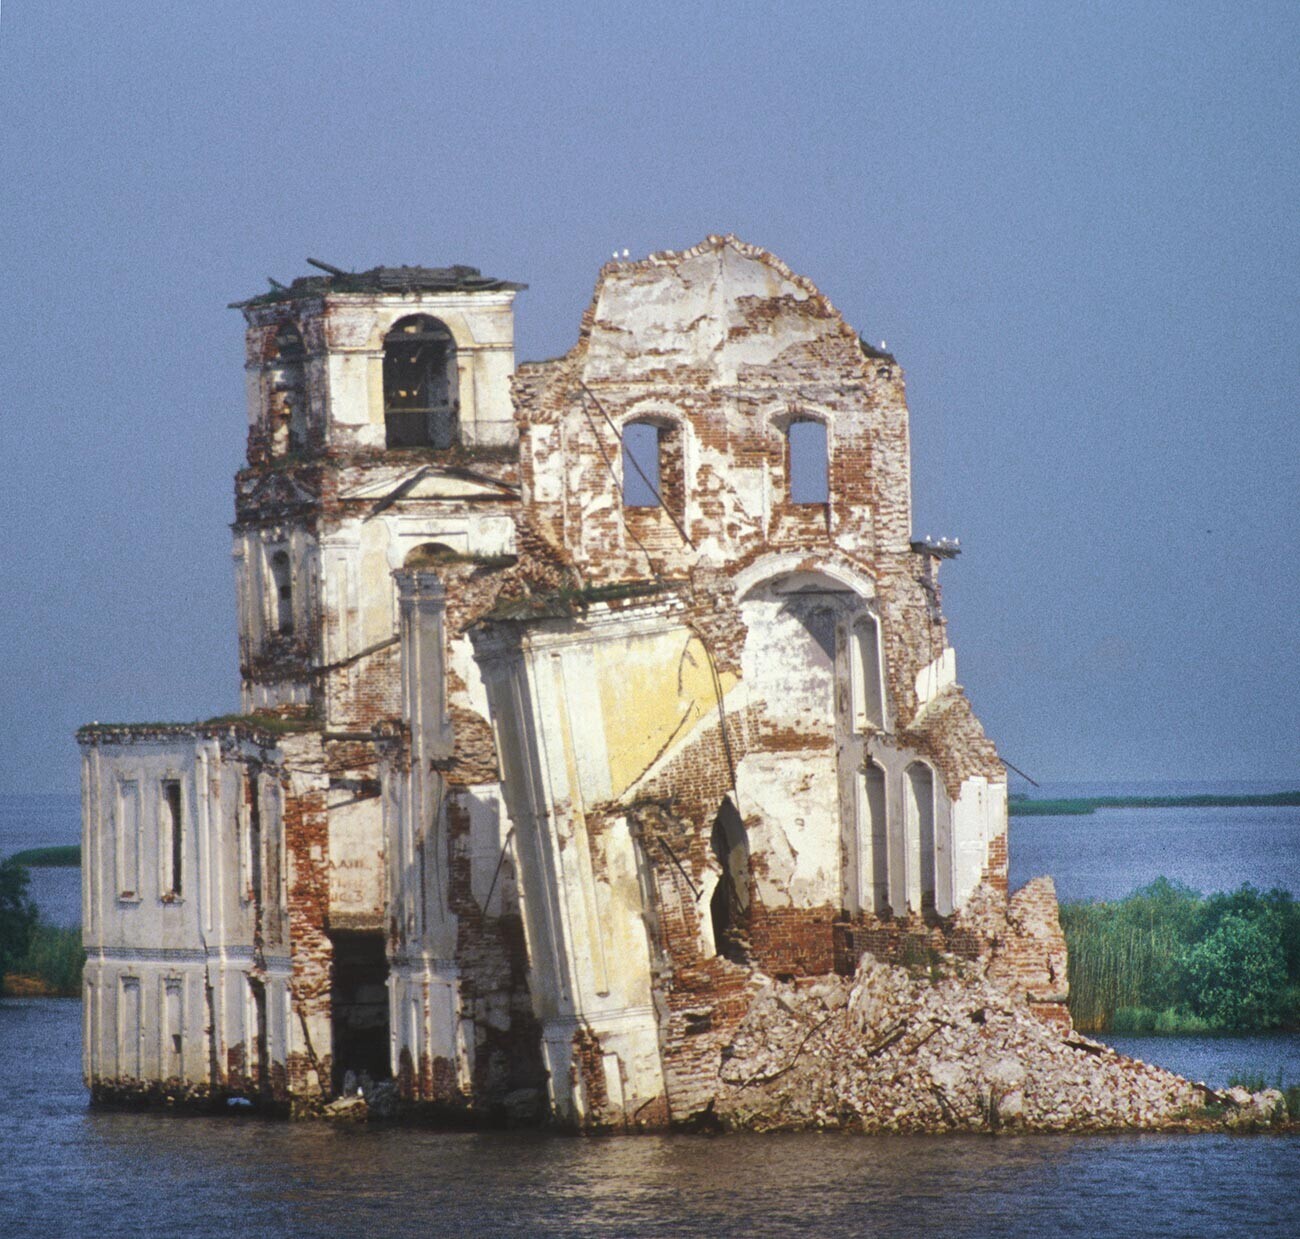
(579, 699)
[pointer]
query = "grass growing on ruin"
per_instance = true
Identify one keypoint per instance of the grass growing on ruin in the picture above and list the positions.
(275, 724)
(1257, 1082)
(1167, 959)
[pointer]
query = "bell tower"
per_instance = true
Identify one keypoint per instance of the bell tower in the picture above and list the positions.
(368, 392)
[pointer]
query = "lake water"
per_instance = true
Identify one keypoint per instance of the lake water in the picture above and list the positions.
(69, 1171)
(45, 821)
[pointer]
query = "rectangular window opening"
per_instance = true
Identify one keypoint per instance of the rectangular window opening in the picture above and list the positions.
(175, 839)
(641, 486)
(282, 580)
(128, 840)
(809, 464)
(252, 796)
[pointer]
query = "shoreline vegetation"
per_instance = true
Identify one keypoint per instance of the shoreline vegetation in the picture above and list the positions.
(68, 857)
(1022, 806)
(37, 959)
(1166, 959)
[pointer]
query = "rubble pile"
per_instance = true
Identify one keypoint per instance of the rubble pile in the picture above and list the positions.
(896, 1050)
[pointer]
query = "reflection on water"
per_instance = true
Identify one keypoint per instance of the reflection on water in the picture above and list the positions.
(67, 1171)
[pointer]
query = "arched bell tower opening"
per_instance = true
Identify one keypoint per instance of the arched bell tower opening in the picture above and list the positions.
(420, 389)
(289, 390)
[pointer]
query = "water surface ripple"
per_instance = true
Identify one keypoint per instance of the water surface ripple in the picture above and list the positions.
(68, 1171)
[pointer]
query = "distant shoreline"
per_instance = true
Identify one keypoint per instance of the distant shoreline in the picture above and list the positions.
(1081, 806)
(1017, 806)
(68, 857)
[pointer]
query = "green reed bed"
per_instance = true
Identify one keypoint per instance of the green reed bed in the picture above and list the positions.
(55, 958)
(1167, 959)
(35, 957)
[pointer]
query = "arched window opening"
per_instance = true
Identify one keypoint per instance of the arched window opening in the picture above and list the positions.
(288, 344)
(653, 466)
(289, 385)
(868, 680)
(920, 806)
(282, 578)
(429, 556)
(874, 835)
(641, 460)
(729, 907)
(420, 404)
(808, 462)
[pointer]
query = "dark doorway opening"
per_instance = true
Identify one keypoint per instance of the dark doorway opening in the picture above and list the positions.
(729, 906)
(359, 1006)
(261, 1046)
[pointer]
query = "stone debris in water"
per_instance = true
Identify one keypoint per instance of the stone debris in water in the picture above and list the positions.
(885, 1050)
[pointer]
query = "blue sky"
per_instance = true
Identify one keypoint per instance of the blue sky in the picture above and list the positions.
(1076, 226)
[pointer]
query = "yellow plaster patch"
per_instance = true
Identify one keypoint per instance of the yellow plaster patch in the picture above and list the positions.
(376, 583)
(653, 690)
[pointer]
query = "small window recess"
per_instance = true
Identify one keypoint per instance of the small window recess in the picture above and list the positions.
(420, 389)
(128, 841)
(808, 461)
(174, 840)
(868, 681)
(920, 804)
(282, 577)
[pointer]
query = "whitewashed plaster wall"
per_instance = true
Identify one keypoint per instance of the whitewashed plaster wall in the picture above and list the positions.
(154, 957)
(581, 892)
